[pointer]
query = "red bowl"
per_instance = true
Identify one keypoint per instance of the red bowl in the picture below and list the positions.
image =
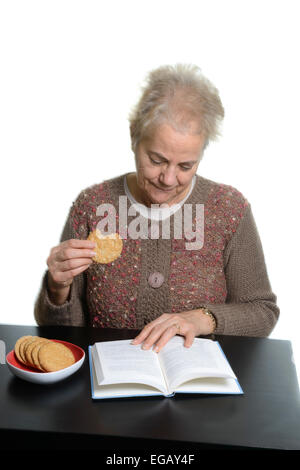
(30, 373)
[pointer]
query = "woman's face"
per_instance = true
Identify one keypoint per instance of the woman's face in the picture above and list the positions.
(166, 164)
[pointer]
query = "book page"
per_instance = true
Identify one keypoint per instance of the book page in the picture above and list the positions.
(203, 359)
(209, 385)
(123, 362)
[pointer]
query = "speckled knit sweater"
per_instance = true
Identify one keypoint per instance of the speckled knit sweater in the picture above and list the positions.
(227, 275)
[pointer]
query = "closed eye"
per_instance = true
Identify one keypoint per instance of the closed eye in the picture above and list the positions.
(155, 162)
(186, 168)
(161, 162)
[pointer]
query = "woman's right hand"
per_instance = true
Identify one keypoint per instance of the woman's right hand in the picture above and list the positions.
(66, 261)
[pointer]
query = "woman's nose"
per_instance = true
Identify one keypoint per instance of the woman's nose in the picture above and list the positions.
(168, 177)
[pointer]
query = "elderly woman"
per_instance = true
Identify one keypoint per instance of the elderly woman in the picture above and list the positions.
(162, 282)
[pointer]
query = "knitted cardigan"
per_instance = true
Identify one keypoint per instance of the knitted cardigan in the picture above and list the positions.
(227, 275)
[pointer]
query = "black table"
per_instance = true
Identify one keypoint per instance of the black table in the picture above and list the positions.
(64, 416)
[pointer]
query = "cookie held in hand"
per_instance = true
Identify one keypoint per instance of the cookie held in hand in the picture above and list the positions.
(108, 247)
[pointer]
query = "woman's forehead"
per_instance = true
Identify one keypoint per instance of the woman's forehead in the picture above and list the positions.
(166, 141)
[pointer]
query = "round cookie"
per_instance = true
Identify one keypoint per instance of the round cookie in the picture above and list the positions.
(28, 348)
(35, 353)
(55, 356)
(18, 345)
(23, 347)
(108, 247)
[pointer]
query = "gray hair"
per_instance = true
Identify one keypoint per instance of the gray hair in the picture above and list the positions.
(181, 96)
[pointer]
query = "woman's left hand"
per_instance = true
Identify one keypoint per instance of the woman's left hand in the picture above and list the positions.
(188, 324)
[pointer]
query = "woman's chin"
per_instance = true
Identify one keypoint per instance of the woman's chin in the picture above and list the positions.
(160, 197)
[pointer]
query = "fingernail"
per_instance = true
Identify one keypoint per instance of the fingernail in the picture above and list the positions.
(93, 253)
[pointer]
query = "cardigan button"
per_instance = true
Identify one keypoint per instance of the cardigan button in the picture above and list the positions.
(156, 279)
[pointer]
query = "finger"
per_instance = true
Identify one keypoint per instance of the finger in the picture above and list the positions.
(76, 243)
(165, 337)
(69, 253)
(68, 275)
(143, 334)
(147, 330)
(158, 331)
(150, 333)
(74, 263)
(189, 338)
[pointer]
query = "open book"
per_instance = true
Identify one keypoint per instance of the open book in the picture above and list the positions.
(121, 369)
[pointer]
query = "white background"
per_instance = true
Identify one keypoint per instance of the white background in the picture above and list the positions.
(70, 73)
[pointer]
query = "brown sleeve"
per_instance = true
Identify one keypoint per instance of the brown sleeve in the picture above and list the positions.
(74, 311)
(250, 308)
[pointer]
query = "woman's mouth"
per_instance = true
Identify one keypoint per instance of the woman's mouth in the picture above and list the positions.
(167, 190)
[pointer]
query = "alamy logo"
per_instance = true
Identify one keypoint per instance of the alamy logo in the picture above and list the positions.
(188, 223)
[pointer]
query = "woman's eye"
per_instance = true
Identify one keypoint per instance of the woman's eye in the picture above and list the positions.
(155, 162)
(159, 162)
(185, 168)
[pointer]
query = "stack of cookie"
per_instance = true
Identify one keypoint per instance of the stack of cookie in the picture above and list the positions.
(43, 354)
